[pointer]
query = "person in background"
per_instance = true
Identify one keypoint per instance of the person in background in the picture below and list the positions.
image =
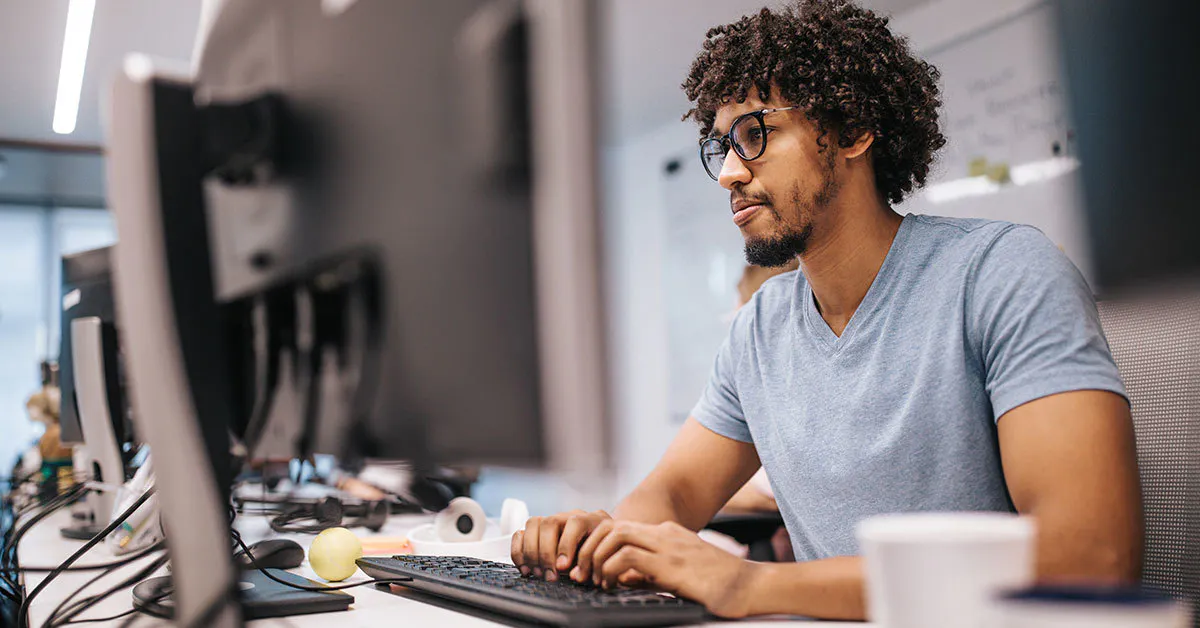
(51, 458)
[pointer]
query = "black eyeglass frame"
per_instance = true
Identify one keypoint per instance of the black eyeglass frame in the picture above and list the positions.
(725, 142)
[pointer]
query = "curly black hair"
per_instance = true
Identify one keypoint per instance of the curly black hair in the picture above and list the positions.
(842, 65)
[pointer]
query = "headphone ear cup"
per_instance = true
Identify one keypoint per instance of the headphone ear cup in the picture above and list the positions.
(329, 512)
(376, 515)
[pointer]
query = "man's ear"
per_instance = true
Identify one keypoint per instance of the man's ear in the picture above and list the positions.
(860, 146)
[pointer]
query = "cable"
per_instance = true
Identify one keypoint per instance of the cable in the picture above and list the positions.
(8, 557)
(89, 602)
(61, 605)
(9, 589)
(58, 609)
(24, 610)
(124, 560)
(8, 560)
(117, 564)
(99, 619)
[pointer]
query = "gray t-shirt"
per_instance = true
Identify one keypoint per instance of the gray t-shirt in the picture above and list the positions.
(966, 320)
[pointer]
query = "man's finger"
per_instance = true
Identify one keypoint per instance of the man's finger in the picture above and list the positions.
(548, 546)
(626, 533)
(636, 579)
(530, 546)
(568, 543)
(625, 559)
(518, 550)
(583, 560)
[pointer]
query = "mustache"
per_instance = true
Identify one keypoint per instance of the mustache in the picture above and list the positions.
(757, 199)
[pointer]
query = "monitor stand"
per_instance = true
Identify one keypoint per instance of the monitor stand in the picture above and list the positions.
(93, 347)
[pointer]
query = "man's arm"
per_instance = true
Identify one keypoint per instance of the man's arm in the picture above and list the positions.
(699, 472)
(1069, 461)
(695, 477)
(653, 541)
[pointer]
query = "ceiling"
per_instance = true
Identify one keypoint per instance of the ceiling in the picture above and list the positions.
(650, 49)
(31, 38)
(652, 46)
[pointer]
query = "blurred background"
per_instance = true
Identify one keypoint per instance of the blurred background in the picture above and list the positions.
(673, 259)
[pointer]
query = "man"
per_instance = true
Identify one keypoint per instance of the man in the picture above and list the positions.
(913, 364)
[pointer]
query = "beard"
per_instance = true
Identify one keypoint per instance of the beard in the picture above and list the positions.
(790, 241)
(778, 250)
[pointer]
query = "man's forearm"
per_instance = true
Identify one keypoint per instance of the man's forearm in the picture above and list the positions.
(827, 589)
(648, 504)
(655, 503)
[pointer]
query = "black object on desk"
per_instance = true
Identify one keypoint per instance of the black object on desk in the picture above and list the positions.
(261, 597)
(272, 554)
(500, 588)
(753, 529)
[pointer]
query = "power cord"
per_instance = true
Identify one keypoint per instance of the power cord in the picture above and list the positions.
(125, 560)
(82, 605)
(23, 611)
(8, 556)
(157, 547)
(98, 620)
(330, 512)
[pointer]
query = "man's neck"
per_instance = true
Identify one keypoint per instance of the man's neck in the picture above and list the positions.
(841, 266)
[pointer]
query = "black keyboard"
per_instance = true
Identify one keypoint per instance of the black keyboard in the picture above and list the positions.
(500, 588)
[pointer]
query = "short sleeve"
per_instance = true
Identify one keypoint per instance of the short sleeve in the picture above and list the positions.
(1035, 323)
(719, 408)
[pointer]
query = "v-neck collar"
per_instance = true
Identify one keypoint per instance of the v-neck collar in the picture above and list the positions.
(817, 326)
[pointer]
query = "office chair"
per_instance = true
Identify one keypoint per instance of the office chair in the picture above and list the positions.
(753, 530)
(1156, 344)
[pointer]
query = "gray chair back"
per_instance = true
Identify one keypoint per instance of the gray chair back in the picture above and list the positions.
(1156, 344)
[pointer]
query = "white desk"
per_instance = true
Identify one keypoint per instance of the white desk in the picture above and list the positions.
(43, 546)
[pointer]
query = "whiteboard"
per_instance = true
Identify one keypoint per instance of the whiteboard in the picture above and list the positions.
(1011, 150)
(703, 260)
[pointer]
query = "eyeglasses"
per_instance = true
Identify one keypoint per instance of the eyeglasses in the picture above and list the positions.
(747, 135)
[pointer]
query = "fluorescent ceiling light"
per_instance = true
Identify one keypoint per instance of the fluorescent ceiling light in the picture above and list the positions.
(74, 58)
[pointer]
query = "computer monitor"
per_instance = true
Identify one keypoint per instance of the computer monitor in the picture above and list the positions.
(87, 291)
(389, 207)
(94, 414)
(1130, 78)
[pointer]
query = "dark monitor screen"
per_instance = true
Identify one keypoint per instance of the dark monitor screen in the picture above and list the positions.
(1131, 79)
(87, 290)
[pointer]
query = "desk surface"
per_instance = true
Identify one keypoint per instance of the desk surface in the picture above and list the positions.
(44, 546)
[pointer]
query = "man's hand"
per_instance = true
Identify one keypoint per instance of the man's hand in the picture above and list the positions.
(548, 545)
(667, 557)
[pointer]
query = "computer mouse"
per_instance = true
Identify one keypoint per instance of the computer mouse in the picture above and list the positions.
(273, 554)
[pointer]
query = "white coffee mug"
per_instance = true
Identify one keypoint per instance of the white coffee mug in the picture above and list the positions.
(941, 570)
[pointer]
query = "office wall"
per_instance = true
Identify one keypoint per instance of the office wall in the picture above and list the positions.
(22, 315)
(45, 178)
